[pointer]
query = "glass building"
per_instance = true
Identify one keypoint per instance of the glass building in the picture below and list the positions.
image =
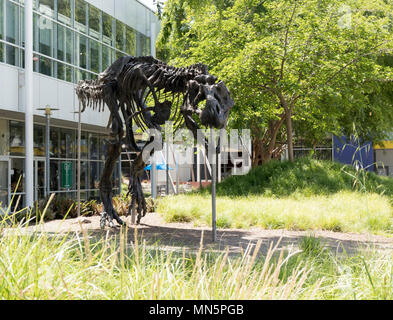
(73, 40)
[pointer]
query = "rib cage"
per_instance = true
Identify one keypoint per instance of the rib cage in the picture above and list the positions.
(134, 81)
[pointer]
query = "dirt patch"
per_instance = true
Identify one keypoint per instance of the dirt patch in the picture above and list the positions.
(176, 236)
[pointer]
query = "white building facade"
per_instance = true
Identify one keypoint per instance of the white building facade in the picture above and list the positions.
(72, 40)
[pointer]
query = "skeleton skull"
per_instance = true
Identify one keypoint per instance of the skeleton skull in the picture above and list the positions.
(218, 101)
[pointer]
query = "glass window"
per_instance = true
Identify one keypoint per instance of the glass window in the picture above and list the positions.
(103, 148)
(64, 11)
(84, 145)
(95, 56)
(84, 168)
(139, 44)
(39, 141)
(17, 138)
(35, 31)
(1, 20)
(93, 147)
(4, 138)
(60, 42)
(144, 45)
(107, 31)
(54, 175)
(54, 143)
(64, 44)
(120, 35)
(68, 45)
(82, 75)
(106, 57)
(17, 167)
(1, 52)
(22, 27)
(94, 175)
(80, 15)
(46, 66)
(11, 55)
(64, 72)
(130, 41)
(81, 51)
(45, 36)
(22, 57)
(12, 23)
(147, 47)
(94, 22)
(4, 170)
(67, 144)
(119, 54)
(47, 7)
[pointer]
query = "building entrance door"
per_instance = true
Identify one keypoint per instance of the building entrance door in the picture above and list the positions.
(4, 185)
(39, 179)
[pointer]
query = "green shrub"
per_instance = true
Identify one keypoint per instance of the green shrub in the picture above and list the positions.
(304, 176)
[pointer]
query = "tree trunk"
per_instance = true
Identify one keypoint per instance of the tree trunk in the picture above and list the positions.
(288, 121)
(263, 148)
(260, 154)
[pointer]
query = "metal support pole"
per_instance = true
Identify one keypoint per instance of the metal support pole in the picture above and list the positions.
(47, 154)
(120, 175)
(48, 111)
(198, 158)
(29, 125)
(213, 172)
(167, 168)
(153, 176)
(177, 178)
(79, 161)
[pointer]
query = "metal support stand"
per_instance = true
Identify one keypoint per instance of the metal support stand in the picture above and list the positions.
(79, 161)
(120, 175)
(48, 113)
(153, 176)
(214, 173)
(167, 168)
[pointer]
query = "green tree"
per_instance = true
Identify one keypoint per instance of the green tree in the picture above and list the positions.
(310, 65)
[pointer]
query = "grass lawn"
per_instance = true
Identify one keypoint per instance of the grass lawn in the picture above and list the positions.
(42, 266)
(304, 195)
(344, 211)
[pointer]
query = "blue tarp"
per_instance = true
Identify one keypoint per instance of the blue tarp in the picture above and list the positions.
(159, 166)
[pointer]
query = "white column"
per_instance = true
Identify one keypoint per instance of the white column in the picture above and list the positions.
(153, 39)
(29, 140)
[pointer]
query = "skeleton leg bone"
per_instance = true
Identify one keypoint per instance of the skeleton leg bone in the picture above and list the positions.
(138, 201)
(113, 153)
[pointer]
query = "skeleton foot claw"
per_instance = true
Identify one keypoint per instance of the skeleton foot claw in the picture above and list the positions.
(104, 217)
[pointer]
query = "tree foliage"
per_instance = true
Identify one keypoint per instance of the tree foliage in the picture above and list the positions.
(311, 67)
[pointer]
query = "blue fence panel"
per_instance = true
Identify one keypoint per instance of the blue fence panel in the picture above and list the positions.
(350, 152)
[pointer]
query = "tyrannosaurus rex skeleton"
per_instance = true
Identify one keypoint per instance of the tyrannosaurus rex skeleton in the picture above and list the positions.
(127, 87)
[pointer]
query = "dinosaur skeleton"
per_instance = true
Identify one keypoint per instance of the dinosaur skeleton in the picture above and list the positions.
(147, 92)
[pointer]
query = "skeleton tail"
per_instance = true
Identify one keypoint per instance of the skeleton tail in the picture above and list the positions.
(90, 94)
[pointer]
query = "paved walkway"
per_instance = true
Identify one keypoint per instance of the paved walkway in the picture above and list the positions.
(176, 236)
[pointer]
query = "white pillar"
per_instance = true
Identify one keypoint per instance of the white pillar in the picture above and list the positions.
(29, 127)
(153, 39)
